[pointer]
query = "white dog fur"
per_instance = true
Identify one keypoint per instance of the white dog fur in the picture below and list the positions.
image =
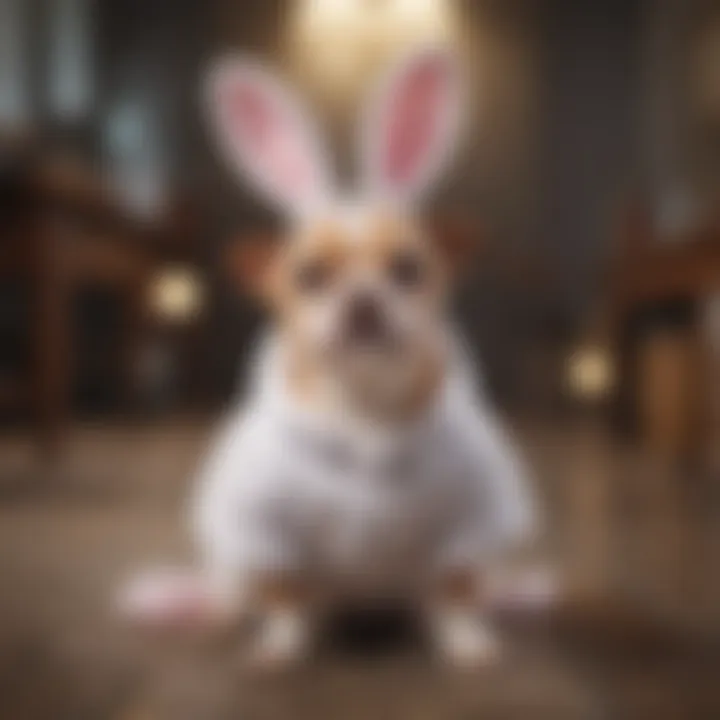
(358, 507)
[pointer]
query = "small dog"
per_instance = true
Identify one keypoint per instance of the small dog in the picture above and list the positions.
(365, 463)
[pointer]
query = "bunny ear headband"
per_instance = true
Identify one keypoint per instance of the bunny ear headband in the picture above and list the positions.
(407, 132)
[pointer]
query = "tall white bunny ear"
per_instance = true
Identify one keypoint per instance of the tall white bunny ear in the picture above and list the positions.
(411, 124)
(265, 134)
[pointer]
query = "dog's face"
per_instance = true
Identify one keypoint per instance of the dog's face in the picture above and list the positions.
(357, 288)
(360, 293)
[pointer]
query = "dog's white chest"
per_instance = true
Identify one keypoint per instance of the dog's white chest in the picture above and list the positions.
(369, 518)
(280, 491)
(370, 531)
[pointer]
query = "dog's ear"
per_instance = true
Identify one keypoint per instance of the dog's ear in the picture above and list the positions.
(267, 136)
(249, 263)
(459, 241)
(411, 124)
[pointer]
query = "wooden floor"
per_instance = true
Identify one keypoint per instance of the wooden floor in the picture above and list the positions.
(636, 548)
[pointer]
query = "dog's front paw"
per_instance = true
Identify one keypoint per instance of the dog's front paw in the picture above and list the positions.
(175, 599)
(282, 640)
(464, 640)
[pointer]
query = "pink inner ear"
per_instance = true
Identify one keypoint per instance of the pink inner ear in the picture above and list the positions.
(415, 118)
(261, 128)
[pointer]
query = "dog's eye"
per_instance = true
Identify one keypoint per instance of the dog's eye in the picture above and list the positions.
(406, 270)
(313, 276)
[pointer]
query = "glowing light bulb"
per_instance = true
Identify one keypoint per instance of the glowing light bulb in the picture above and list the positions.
(590, 373)
(176, 295)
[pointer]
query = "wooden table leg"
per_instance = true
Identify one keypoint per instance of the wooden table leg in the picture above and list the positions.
(134, 303)
(52, 344)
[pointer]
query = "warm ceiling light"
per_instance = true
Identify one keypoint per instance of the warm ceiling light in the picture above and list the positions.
(338, 44)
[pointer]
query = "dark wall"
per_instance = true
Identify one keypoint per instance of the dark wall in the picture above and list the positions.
(548, 189)
(590, 137)
(586, 139)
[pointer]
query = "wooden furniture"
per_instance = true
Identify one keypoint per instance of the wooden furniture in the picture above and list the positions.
(61, 231)
(651, 275)
(650, 270)
(668, 392)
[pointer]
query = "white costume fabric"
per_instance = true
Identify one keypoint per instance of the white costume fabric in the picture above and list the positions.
(368, 512)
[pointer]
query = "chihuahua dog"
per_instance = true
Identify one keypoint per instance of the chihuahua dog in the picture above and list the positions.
(365, 463)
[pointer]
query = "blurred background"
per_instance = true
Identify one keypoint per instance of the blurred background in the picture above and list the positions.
(589, 179)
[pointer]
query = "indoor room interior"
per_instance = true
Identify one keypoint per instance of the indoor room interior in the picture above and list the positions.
(588, 183)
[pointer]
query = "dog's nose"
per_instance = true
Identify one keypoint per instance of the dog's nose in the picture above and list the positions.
(364, 319)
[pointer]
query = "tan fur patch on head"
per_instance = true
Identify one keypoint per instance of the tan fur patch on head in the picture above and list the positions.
(319, 243)
(390, 235)
(351, 241)
(326, 262)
